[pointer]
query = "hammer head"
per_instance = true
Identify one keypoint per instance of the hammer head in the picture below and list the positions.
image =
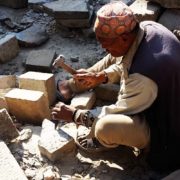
(57, 62)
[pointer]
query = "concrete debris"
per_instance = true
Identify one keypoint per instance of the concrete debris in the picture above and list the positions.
(44, 82)
(25, 134)
(40, 60)
(32, 105)
(7, 129)
(32, 37)
(171, 19)
(50, 174)
(84, 100)
(9, 168)
(8, 48)
(145, 10)
(54, 144)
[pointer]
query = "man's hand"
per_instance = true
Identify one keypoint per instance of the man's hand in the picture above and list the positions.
(89, 79)
(62, 111)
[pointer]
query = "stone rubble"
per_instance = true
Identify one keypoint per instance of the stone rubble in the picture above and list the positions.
(9, 168)
(8, 131)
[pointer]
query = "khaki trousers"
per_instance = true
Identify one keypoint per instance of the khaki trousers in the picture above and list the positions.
(122, 123)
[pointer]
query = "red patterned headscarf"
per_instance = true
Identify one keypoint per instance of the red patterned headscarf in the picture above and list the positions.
(114, 19)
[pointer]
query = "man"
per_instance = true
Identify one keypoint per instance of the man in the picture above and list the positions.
(142, 57)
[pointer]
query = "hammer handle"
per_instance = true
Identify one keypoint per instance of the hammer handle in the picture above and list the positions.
(68, 68)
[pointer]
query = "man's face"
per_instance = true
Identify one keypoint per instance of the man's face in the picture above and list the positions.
(116, 46)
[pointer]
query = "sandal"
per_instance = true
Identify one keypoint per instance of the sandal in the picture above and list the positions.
(90, 145)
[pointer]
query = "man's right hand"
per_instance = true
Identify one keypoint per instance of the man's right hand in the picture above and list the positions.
(89, 79)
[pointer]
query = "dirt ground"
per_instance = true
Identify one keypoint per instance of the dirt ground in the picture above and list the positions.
(118, 164)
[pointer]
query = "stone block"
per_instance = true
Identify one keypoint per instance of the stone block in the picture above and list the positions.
(170, 19)
(37, 81)
(84, 100)
(54, 144)
(14, 3)
(27, 105)
(9, 48)
(168, 3)
(32, 37)
(107, 92)
(76, 23)
(3, 103)
(40, 60)
(7, 129)
(8, 81)
(66, 9)
(145, 10)
(9, 168)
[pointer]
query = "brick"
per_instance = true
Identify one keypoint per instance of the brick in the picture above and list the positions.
(9, 48)
(8, 81)
(170, 19)
(107, 92)
(37, 81)
(14, 3)
(145, 10)
(7, 129)
(40, 60)
(76, 23)
(9, 168)
(27, 105)
(84, 100)
(54, 144)
(66, 9)
(168, 3)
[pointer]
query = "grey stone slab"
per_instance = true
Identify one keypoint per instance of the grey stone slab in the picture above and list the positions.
(66, 9)
(7, 129)
(40, 60)
(32, 37)
(76, 23)
(168, 3)
(14, 3)
(145, 10)
(54, 144)
(9, 168)
(171, 19)
(9, 48)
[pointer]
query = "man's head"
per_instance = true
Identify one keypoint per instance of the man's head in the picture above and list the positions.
(114, 28)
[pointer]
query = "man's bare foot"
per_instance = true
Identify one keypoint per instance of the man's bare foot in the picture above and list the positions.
(62, 111)
(65, 94)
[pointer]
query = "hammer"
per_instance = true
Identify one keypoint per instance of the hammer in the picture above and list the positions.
(60, 62)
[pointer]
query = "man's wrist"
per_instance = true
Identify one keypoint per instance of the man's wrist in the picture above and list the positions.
(102, 77)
